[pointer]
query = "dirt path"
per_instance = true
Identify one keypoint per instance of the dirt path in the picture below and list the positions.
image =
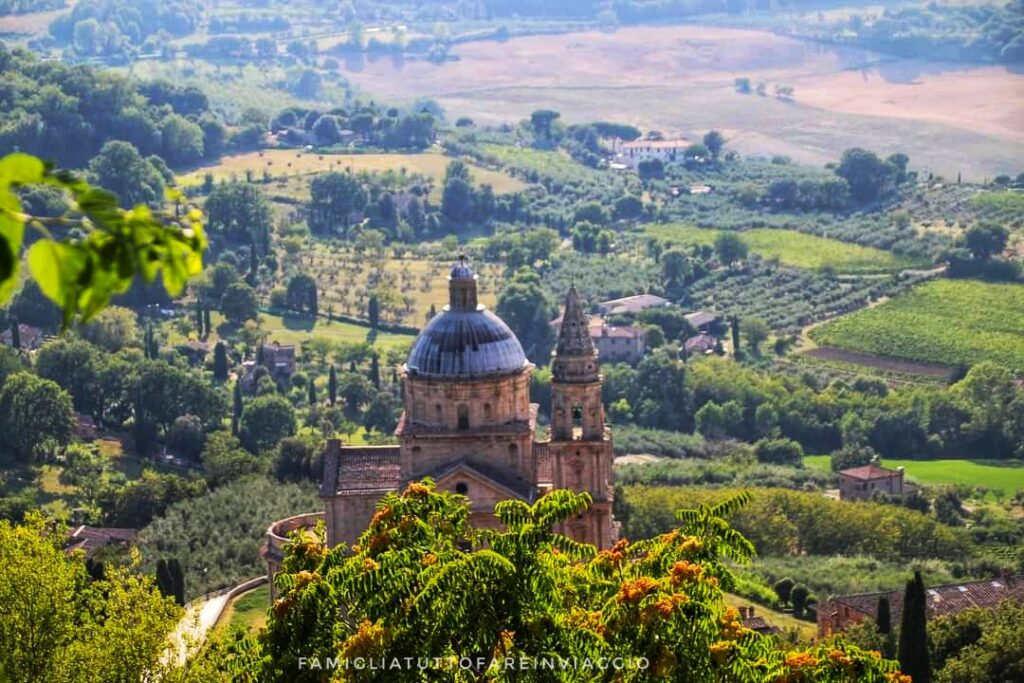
(200, 616)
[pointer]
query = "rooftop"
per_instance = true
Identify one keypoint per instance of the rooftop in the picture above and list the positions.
(92, 538)
(869, 472)
(359, 469)
(656, 144)
(633, 304)
(942, 600)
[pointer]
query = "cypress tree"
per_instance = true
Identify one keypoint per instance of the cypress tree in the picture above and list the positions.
(312, 392)
(883, 621)
(394, 376)
(352, 366)
(177, 579)
(220, 362)
(375, 371)
(735, 323)
(199, 317)
(236, 414)
(163, 578)
(206, 318)
(332, 386)
(259, 355)
(15, 333)
(913, 644)
(253, 264)
(373, 311)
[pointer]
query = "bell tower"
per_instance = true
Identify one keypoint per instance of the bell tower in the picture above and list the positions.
(580, 446)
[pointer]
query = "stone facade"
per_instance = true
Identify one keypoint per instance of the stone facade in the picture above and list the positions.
(469, 425)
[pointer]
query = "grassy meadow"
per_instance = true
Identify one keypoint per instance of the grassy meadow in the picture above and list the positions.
(942, 321)
(793, 248)
(1007, 475)
(285, 164)
(247, 611)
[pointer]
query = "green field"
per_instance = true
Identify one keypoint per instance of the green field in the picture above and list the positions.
(793, 248)
(1007, 475)
(942, 321)
(247, 611)
(555, 165)
(290, 163)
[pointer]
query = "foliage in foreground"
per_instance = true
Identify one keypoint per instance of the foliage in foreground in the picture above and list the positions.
(59, 624)
(411, 588)
(108, 249)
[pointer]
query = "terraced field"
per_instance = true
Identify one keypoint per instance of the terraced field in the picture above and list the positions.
(796, 249)
(943, 321)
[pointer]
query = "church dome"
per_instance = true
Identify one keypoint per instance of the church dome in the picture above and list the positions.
(465, 340)
(460, 344)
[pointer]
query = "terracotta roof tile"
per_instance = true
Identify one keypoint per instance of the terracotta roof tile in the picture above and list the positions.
(359, 469)
(870, 471)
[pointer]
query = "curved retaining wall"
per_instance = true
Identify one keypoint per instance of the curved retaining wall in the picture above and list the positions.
(272, 550)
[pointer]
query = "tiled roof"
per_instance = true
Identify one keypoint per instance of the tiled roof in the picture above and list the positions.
(359, 469)
(92, 538)
(701, 342)
(760, 625)
(941, 600)
(656, 144)
(869, 472)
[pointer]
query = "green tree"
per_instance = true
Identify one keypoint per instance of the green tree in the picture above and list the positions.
(265, 421)
(730, 248)
(457, 200)
(986, 240)
(334, 199)
(528, 311)
(542, 121)
(240, 304)
(382, 413)
(302, 294)
(58, 625)
(121, 169)
(714, 142)
(332, 386)
(186, 437)
(355, 390)
(757, 331)
(32, 411)
(181, 141)
(869, 177)
(224, 459)
(112, 329)
(784, 588)
(238, 210)
(798, 596)
(220, 361)
(913, 643)
(237, 406)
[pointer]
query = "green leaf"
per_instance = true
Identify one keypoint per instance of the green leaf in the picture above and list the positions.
(58, 268)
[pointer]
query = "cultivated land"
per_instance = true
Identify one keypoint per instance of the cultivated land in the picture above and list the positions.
(406, 287)
(290, 163)
(794, 248)
(943, 321)
(1006, 475)
(680, 79)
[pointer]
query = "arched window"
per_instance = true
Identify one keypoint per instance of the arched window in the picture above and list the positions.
(462, 488)
(487, 412)
(463, 416)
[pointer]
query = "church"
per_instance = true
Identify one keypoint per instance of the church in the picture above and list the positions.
(468, 423)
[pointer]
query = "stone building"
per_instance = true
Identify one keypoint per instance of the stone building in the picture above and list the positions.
(469, 425)
(861, 483)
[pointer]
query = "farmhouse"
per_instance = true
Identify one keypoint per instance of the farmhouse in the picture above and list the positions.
(631, 304)
(756, 622)
(89, 539)
(840, 612)
(634, 152)
(618, 343)
(701, 344)
(861, 483)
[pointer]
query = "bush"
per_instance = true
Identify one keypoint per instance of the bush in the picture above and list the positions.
(779, 451)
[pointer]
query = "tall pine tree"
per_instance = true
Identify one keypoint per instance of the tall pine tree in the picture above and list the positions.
(913, 650)
(312, 391)
(206, 318)
(15, 333)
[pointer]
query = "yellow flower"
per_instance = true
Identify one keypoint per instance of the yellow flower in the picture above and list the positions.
(370, 565)
(683, 571)
(367, 638)
(429, 559)
(416, 490)
(800, 660)
(720, 651)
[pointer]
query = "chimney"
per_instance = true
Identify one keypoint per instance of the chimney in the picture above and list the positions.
(750, 611)
(743, 612)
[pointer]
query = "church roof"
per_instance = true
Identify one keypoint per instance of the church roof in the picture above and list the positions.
(360, 469)
(494, 475)
(465, 340)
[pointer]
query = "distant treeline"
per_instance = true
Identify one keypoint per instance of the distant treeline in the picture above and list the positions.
(26, 6)
(980, 33)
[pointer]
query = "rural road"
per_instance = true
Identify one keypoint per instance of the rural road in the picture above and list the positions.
(200, 617)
